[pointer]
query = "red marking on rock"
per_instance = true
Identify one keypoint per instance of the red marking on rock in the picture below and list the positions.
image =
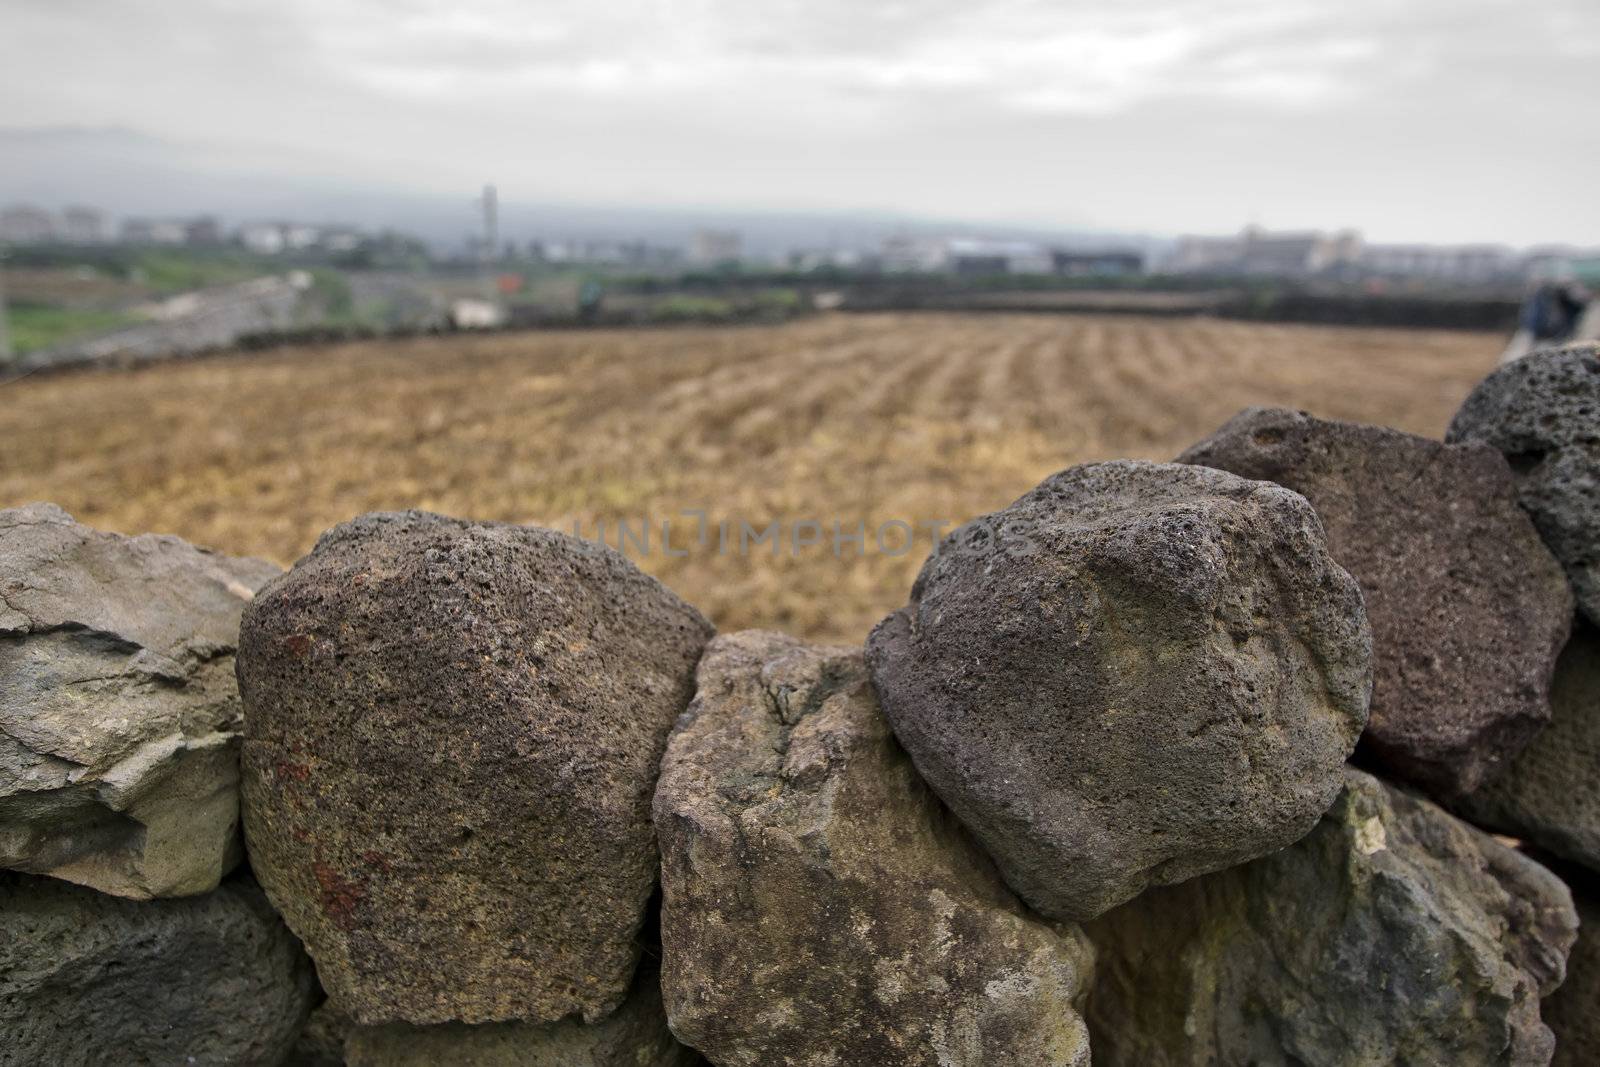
(299, 772)
(340, 895)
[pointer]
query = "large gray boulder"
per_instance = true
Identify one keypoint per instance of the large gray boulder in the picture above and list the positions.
(1543, 412)
(119, 714)
(1135, 674)
(635, 1035)
(1469, 610)
(453, 737)
(819, 904)
(1549, 793)
(87, 978)
(1392, 934)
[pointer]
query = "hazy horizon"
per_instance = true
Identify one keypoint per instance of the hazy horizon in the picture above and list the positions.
(1444, 122)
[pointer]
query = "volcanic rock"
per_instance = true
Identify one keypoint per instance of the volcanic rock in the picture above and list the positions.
(635, 1035)
(1549, 793)
(820, 905)
(1392, 934)
(1543, 412)
(119, 714)
(1135, 674)
(87, 978)
(1469, 610)
(453, 736)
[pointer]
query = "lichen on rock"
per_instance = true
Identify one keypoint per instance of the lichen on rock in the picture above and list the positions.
(820, 905)
(119, 713)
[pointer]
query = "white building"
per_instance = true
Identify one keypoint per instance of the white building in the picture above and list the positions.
(1455, 263)
(25, 224)
(708, 248)
(83, 225)
(1259, 251)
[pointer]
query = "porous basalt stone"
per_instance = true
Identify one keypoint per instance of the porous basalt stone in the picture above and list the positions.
(1549, 793)
(87, 978)
(453, 735)
(1543, 412)
(1135, 674)
(635, 1035)
(1469, 610)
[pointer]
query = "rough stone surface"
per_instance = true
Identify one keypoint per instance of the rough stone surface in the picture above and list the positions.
(321, 1043)
(636, 1035)
(1543, 412)
(1392, 934)
(87, 978)
(1135, 674)
(1469, 610)
(119, 715)
(819, 904)
(1549, 793)
(1573, 1011)
(453, 736)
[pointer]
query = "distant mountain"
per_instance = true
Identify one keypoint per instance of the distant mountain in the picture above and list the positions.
(125, 172)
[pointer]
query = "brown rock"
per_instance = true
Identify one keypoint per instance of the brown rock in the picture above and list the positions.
(635, 1035)
(454, 731)
(820, 906)
(1469, 609)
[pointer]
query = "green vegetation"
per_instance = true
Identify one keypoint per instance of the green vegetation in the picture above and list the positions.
(179, 271)
(35, 326)
(332, 294)
(692, 309)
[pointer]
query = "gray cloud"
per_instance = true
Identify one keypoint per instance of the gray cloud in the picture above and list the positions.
(1443, 119)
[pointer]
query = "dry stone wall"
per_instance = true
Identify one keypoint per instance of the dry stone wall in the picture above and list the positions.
(1162, 764)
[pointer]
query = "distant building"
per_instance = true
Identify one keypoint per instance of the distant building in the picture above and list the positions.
(1549, 263)
(262, 238)
(298, 237)
(969, 256)
(156, 231)
(1259, 251)
(1455, 263)
(906, 254)
(83, 225)
(341, 240)
(810, 259)
(203, 231)
(1110, 263)
(271, 238)
(710, 248)
(24, 224)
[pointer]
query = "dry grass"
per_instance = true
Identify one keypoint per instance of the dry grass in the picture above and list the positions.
(848, 419)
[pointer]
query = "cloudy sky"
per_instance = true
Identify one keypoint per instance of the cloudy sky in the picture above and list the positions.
(1446, 120)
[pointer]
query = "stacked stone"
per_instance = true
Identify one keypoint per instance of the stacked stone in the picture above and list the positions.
(1088, 794)
(119, 737)
(450, 755)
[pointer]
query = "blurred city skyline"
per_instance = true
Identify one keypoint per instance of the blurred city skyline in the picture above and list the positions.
(1445, 122)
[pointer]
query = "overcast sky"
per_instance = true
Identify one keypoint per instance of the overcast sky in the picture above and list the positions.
(1447, 120)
